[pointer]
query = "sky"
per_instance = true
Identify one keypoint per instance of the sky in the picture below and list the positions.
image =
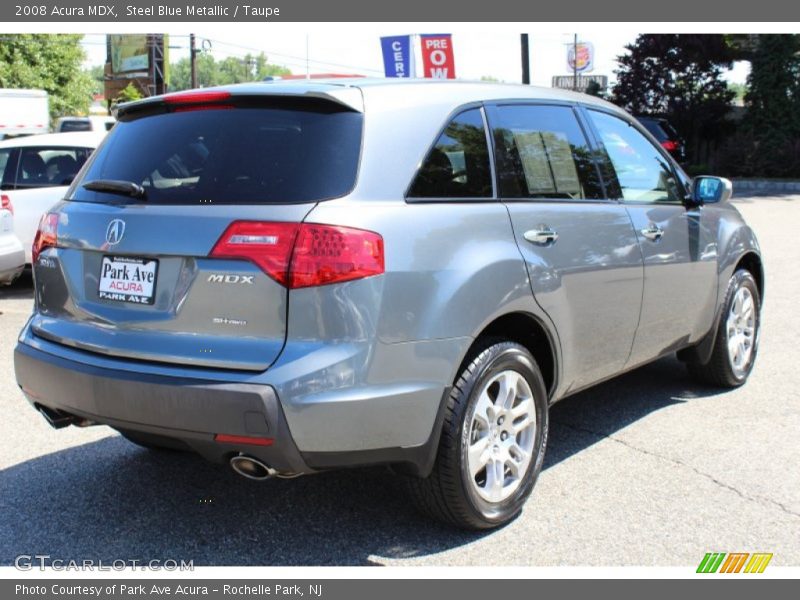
(477, 54)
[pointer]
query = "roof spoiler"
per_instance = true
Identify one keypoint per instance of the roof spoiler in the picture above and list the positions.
(349, 98)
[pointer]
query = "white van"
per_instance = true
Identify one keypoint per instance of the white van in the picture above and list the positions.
(23, 112)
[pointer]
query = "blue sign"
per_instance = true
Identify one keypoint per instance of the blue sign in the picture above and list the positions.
(398, 59)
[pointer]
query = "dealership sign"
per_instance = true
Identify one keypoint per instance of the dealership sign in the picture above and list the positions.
(437, 56)
(580, 57)
(398, 56)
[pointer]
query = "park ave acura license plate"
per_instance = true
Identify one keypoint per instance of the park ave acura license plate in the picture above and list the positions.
(127, 279)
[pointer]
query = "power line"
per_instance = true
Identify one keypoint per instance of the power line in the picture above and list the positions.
(300, 58)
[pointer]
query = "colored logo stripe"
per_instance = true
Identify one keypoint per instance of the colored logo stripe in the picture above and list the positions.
(711, 562)
(758, 563)
(734, 562)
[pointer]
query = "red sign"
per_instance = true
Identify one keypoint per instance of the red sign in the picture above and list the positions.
(437, 56)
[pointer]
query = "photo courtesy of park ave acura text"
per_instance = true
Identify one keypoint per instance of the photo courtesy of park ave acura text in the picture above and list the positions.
(515, 295)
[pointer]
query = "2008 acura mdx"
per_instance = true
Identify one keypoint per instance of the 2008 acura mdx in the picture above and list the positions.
(297, 276)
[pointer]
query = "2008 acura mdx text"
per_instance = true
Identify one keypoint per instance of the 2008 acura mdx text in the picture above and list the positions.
(298, 276)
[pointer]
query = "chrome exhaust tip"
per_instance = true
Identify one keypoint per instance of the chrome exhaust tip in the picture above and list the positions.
(252, 468)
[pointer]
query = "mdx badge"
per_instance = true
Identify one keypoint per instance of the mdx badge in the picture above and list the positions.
(216, 278)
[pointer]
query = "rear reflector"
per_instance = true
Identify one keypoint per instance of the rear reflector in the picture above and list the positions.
(5, 202)
(46, 235)
(223, 438)
(304, 255)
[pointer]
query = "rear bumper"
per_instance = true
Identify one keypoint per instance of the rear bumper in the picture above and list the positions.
(12, 263)
(189, 410)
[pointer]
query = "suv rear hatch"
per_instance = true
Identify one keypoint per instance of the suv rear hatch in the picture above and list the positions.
(174, 242)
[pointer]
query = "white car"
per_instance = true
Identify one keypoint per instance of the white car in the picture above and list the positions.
(35, 172)
(12, 255)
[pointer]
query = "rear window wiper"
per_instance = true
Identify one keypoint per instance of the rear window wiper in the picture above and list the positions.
(115, 186)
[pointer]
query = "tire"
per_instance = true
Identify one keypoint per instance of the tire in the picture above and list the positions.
(731, 368)
(451, 493)
(153, 441)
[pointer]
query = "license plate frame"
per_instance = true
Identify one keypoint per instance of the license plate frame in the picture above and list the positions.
(127, 279)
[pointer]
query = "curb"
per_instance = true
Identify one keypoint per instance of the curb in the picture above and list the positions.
(758, 187)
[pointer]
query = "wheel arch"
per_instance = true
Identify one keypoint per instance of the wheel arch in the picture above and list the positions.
(752, 262)
(528, 331)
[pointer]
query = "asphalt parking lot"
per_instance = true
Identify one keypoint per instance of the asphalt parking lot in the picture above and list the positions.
(648, 469)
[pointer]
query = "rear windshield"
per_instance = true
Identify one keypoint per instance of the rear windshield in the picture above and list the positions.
(69, 126)
(243, 155)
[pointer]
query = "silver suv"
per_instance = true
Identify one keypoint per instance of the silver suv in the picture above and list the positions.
(298, 276)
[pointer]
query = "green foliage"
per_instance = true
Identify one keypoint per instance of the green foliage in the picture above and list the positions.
(97, 74)
(678, 76)
(211, 72)
(595, 89)
(768, 143)
(128, 94)
(50, 62)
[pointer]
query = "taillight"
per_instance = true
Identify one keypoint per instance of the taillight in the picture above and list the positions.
(268, 245)
(669, 145)
(298, 255)
(326, 254)
(197, 97)
(198, 100)
(5, 202)
(46, 235)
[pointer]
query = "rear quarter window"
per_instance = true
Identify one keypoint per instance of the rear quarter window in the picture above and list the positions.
(458, 164)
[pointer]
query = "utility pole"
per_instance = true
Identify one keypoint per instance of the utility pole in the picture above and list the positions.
(193, 60)
(575, 63)
(526, 59)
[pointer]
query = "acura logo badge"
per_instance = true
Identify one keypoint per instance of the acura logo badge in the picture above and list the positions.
(115, 231)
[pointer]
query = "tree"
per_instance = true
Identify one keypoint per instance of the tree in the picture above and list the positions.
(595, 89)
(97, 74)
(772, 120)
(50, 62)
(229, 70)
(678, 76)
(128, 94)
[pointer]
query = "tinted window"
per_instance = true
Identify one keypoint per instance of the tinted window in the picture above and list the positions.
(643, 174)
(654, 127)
(6, 169)
(49, 166)
(542, 153)
(305, 152)
(458, 165)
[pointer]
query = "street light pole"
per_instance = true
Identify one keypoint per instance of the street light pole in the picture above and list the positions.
(193, 60)
(526, 59)
(575, 63)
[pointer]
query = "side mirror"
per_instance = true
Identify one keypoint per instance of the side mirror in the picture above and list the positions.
(711, 190)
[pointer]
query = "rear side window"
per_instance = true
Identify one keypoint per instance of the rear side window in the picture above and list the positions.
(45, 166)
(458, 165)
(543, 153)
(290, 152)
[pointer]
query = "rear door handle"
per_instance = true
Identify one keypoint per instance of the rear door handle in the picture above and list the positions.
(653, 232)
(542, 236)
